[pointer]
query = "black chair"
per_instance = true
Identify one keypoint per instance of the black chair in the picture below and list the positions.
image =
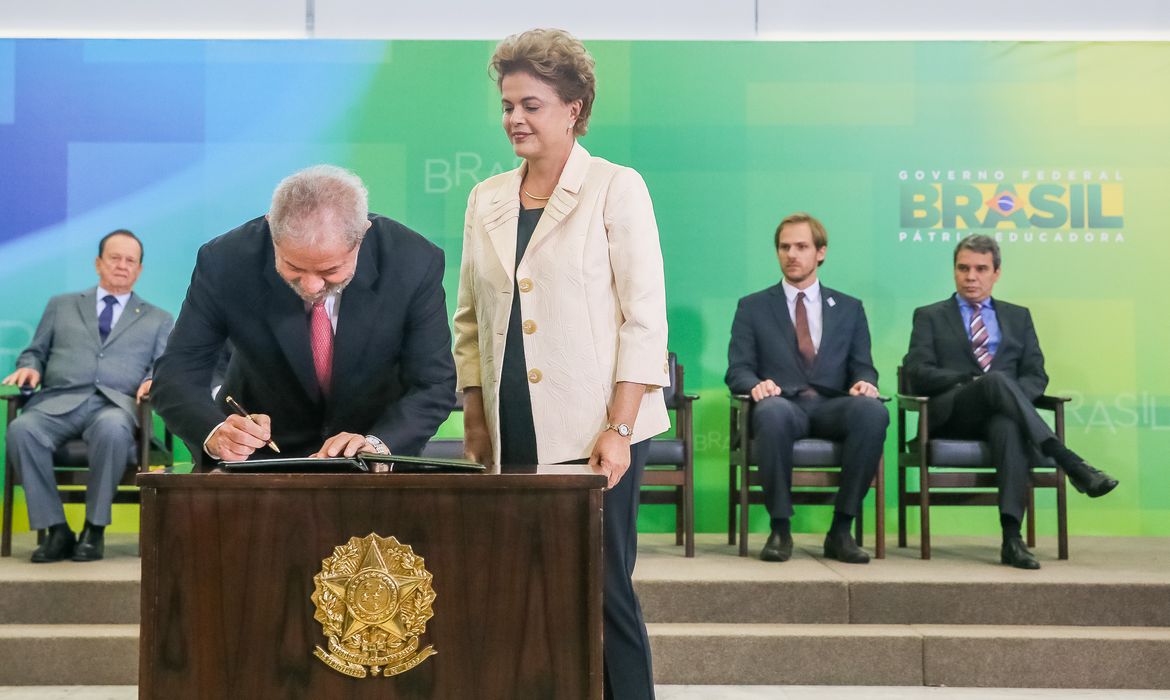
(816, 475)
(72, 470)
(669, 477)
(958, 472)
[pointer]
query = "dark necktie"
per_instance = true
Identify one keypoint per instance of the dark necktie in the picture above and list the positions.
(106, 317)
(804, 342)
(980, 338)
(321, 338)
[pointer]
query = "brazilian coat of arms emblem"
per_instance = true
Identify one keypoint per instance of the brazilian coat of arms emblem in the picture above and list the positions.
(373, 599)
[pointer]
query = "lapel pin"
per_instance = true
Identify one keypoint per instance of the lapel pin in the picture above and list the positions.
(832, 302)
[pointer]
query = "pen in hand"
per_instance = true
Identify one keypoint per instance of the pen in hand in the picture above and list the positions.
(241, 411)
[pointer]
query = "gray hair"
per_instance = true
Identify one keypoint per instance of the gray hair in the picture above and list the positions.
(979, 243)
(315, 188)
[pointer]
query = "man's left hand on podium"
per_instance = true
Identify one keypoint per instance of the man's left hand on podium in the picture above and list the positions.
(344, 445)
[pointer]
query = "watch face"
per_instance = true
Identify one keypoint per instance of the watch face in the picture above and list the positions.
(623, 430)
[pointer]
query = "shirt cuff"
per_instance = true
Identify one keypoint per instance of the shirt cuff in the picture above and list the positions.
(207, 451)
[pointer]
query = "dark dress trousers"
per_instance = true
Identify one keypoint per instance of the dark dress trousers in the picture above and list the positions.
(996, 406)
(813, 401)
(393, 375)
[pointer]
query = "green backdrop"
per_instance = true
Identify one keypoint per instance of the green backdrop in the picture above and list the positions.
(1062, 149)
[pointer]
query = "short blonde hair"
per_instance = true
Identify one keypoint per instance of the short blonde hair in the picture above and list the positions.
(555, 57)
(819, 235)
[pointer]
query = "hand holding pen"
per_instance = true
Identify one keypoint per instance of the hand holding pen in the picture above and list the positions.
(240, 435)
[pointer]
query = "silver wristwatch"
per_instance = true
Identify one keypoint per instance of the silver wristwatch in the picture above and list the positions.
(621, 429)
(378, 445)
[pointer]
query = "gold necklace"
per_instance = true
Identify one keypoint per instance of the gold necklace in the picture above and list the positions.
(532, 196)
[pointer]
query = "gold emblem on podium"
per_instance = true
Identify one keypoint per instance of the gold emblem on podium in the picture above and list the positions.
(373, 599)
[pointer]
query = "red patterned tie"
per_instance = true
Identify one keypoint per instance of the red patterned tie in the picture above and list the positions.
(979, 338)
(321, 338)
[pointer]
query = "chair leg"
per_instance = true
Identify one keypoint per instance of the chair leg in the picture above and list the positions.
(6, 526)
(1061, 515)
(1031, 517)
(924, 510)
(678, 516)
(689, 509)
(901, 506)
(732, 494)
(879, 511)
(743, 511)
(859, 529)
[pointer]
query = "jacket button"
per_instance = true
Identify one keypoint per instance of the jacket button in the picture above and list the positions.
(534, 375)
(525, 285)
(529, 327)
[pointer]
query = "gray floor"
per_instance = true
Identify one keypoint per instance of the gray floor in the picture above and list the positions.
(688, 692)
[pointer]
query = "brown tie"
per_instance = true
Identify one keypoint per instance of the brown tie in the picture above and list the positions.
(804, 341)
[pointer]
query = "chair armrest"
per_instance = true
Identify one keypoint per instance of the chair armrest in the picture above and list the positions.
(690, 397)
(907, 402)
(884, 399)
(1051, 402)
(17, 399)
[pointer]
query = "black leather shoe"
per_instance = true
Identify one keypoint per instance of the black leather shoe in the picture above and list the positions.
(777, 548)
(1015, 553)
(91, 546)
(844, 549)
(58, 545)
(1090, 481)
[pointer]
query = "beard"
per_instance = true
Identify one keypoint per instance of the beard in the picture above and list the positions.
(321, 295)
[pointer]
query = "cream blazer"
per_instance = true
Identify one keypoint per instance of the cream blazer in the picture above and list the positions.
(592, 295)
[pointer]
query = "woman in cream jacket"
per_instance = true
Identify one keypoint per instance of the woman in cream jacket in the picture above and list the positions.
(560, 330)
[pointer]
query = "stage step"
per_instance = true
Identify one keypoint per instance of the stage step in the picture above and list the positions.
(73, 654)
(1100, 620)
(940, 655)
(1109, 583)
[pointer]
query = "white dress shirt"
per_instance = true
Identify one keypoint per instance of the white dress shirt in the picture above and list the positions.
(812, 303)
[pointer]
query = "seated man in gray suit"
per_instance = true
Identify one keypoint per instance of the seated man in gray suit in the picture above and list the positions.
(803, 353)
(92, 354)
(979, 361)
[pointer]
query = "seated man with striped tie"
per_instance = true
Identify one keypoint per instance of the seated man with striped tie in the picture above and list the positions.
(92, 355)
(803, 353)
(337, 324)
(979, 360)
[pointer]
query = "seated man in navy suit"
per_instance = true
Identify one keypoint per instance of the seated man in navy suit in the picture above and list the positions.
(93, 354)
(979, 361)
(803, 353)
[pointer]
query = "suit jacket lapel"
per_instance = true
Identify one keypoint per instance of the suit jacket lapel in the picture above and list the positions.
(130, 314)
(779, 305)
(357, 320)
(955, 322)
(830, 324)
(564, 197)
(502, 219)
(290, 325)
(87, 310)
(1005, 333)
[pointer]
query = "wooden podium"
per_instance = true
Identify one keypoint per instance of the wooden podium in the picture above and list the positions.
(228, 566)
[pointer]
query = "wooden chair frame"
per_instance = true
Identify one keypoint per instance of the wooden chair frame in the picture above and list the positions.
(820, 482)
